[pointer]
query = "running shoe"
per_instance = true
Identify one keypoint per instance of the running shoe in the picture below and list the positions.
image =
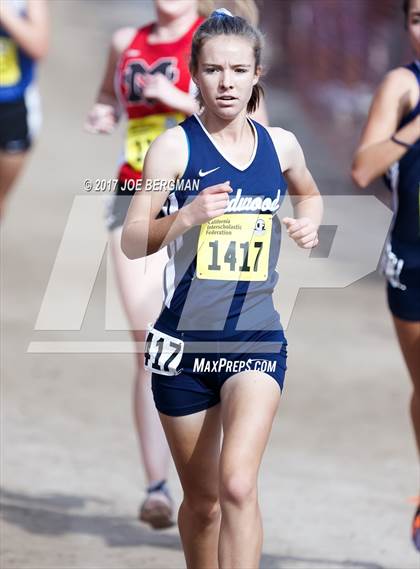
(157, 508)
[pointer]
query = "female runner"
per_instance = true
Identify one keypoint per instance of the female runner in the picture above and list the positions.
(391, 140)
(217, 350)
(147, 75)
(23, 41)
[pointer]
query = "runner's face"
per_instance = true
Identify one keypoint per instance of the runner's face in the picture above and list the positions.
(226, 74)
(413, 25)
(176, 8)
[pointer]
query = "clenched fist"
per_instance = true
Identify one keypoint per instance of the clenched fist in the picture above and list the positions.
(303, 231)
(209, 203)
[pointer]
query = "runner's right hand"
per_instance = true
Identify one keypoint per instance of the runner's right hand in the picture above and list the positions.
(102, 119)
(209, 203)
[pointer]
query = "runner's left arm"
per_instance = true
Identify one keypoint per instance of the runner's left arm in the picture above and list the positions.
(306, 199)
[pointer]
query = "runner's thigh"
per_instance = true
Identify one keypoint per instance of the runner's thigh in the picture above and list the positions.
(194, 441)
(249, 403)
(140, 282)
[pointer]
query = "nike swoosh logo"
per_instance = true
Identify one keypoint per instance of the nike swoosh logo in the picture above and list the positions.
(202, 174)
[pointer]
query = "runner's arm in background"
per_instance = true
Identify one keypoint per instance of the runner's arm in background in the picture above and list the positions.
(306, 199)
(105, 112)
(395, 97)
(160, 88)
(143, 234)
(30, 32)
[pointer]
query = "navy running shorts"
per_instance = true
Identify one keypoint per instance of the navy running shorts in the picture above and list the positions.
(20, 122)
(402, 269)
(14, 132)
(188, 372)
(404, 296)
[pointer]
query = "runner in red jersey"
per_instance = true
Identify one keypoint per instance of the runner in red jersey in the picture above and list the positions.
(163, 69)
(147, 79)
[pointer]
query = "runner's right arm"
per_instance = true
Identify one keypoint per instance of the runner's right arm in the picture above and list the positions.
(396, 96)
(165, 163)
(104, 114)
(29, 32)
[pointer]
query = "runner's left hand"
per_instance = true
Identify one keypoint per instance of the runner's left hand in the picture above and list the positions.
(303, 231)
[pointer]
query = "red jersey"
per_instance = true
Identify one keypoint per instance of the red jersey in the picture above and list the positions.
(147, 118)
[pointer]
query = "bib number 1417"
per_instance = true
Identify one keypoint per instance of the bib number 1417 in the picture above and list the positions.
(230, 257)
(235, 247)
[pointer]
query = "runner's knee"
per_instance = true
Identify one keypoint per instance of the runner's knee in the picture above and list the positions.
(204, 508)
(237, 489)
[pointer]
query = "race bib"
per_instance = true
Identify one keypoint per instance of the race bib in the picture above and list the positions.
(163, 353)
(235, 247)
(9, 63)
(142, 132)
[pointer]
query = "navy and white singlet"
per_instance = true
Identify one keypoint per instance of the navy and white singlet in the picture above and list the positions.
(221, 276)
(402, 256)
(218, 316)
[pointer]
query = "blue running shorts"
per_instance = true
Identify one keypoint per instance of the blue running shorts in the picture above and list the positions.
(189, 370)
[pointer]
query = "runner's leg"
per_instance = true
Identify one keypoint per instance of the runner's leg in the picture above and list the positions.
(409, 338)
(10, 167)
(249, 404)
(140, 285)
(194, 441)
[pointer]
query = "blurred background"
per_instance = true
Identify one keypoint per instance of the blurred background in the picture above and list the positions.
(341, 467)
(332, 54)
